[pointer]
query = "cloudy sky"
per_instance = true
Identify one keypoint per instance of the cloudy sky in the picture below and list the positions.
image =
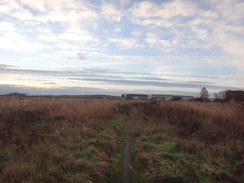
(121, 46)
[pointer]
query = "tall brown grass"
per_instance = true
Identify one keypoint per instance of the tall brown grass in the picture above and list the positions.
(57, 139)
(70, 109)
(210, 122)
(74, 140)
(186, 141)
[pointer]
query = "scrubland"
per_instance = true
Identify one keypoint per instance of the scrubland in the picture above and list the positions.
(189, 142)
(81, 140)
(58, 140)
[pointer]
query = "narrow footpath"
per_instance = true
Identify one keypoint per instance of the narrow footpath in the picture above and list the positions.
(126, 174)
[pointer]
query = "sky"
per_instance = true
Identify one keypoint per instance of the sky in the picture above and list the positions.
(121, 46)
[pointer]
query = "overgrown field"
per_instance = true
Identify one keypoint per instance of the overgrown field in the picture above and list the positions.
(81, 140)
(189, 142)
(60, 140)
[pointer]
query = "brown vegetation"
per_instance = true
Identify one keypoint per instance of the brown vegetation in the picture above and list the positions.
(81, 140)
(58, 140)
(189, 142)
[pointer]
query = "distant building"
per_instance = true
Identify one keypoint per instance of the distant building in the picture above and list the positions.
(234, 95)
(169, 97)
(155, 97)
(134, 96)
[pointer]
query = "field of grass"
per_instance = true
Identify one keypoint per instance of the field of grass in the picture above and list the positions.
(59, 140)
(82, 140)
(189, 142)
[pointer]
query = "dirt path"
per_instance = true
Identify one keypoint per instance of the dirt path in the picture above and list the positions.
(126, 156)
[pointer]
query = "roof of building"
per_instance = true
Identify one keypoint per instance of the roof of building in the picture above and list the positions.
(135, 94)
(160, 95)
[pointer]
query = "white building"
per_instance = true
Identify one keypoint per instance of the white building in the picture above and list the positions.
(169, 97)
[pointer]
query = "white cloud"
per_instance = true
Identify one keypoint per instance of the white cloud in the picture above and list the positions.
(12, 40)
(70, 39)
(111, 12)
(209, 29)
(232, 46)
(126, 43)
(79, 36)
(148, 9)
(230, 10)
(137, 33)
(7, 6)
(228, 32)
(209, 14)
(46, 11)
(166, 45)
(40, 6)
(118, 29)
(79, 14)
(70, 20)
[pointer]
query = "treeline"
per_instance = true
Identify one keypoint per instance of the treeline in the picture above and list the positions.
(223, 96)
(17, 94)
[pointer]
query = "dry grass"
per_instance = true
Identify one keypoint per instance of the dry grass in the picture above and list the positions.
(23, 119)
(209, 122)
(189, 142)
(59, 140)
(70, 109)
(80, 140)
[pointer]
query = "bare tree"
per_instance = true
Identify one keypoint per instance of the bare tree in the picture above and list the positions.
(204, 94)
(216, 95)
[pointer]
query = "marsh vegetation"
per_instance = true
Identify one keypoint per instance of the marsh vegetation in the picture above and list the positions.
(83, 140)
